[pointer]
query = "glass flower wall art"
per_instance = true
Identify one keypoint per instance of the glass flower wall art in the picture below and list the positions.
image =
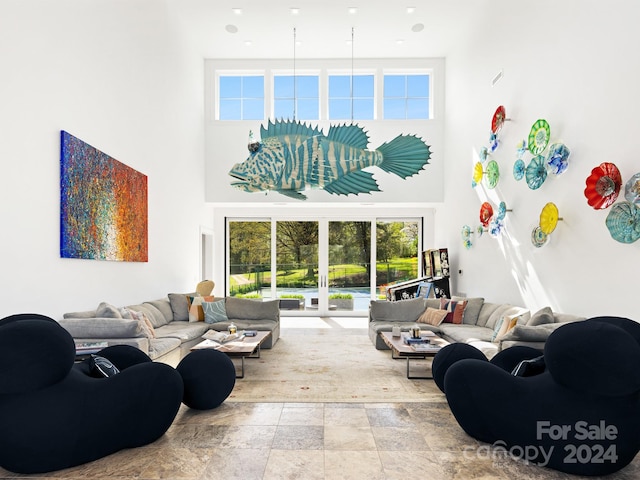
(603, 186)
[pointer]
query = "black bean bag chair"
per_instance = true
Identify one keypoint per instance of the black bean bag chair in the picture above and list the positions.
(506, 359)
(580, 416)
(56, 413)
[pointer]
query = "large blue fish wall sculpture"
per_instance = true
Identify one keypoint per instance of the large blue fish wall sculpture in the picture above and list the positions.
(293, 157)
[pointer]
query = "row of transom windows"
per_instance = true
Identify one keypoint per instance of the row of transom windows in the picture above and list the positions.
(256, 96)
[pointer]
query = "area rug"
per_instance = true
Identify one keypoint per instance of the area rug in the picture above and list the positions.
(331, 365)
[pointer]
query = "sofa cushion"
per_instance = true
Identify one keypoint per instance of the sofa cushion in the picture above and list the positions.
(161, 346)
(82, 314)
(432, 316)
(182, 330)
(152, 313)
(527, 333)
(245, 309)
(400, 311)
(179, 306)
(102, 327)
(541, 317)
(215, 311)
(106, 310)
(466, 333)
(164, 307)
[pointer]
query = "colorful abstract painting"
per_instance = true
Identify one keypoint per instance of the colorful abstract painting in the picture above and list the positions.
(103, 205)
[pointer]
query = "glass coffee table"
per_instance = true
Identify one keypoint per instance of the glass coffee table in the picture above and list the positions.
(246, 347)
(399, 349)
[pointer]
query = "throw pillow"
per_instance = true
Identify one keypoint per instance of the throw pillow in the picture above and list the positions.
(144, 324)
(101, 367)
(455, 310)
(432, 316)
(215, 312)
(503, 326)
(542, 316)
(196, 312)
(106, 310)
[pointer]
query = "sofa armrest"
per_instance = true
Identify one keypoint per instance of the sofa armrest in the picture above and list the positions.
(102, 327)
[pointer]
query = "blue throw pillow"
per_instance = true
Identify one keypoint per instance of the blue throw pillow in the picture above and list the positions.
(215, 312)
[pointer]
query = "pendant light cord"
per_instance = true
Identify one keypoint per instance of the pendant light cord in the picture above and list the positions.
(295, 98)
(351, 86)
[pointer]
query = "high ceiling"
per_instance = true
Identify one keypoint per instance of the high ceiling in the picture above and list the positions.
(323, 29)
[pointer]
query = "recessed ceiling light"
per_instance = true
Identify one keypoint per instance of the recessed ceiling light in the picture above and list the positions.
(418, 27)
(237, 11)
(247, 43)
(295, 10)
(231, 28)
(400, 41)
(411, 9)
(352, 10)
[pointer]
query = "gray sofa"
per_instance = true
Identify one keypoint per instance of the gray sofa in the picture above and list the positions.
(479, 323)
(171, 335)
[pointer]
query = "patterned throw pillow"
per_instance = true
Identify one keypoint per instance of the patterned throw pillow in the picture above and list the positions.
(215, 312)
(144, 324)
(432, 316)
(196, 312)
(503, 326)
(455, 309)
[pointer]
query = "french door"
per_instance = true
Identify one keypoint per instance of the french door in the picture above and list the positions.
(321, 266)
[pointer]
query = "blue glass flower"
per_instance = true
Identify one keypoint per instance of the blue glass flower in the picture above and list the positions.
(536, 172)
(518, 169)
(558, 158)
(493, 141)
(484, 153)
(623, 222)
(502, 211)
(495, 227)
(521, 147)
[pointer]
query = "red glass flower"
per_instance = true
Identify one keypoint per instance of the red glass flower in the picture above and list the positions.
(486, 212)
(498, 119)
(603, 185)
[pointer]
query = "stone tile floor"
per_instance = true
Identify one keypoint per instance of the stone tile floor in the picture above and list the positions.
(312, 441)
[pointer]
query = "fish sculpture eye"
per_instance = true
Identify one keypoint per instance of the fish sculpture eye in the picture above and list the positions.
(254, 146)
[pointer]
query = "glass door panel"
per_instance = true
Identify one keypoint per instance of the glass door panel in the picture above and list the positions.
(250, 259)
(349, 268)
(297, 264)
(397, 244)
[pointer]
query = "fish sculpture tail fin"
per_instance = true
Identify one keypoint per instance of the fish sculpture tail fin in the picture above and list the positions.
(405, 155)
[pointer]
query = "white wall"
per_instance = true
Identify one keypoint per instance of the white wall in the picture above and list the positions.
(117, 75)
(574, 64)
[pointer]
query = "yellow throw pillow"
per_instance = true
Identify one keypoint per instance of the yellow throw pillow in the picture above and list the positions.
(432, 316)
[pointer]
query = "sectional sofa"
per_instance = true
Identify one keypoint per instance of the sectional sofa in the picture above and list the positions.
(165, 332)
(483, 323)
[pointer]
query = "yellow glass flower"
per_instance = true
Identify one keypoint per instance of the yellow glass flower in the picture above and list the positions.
(549, 218)
(478, 173)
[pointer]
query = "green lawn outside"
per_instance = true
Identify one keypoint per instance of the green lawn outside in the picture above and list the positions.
(397, 267)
